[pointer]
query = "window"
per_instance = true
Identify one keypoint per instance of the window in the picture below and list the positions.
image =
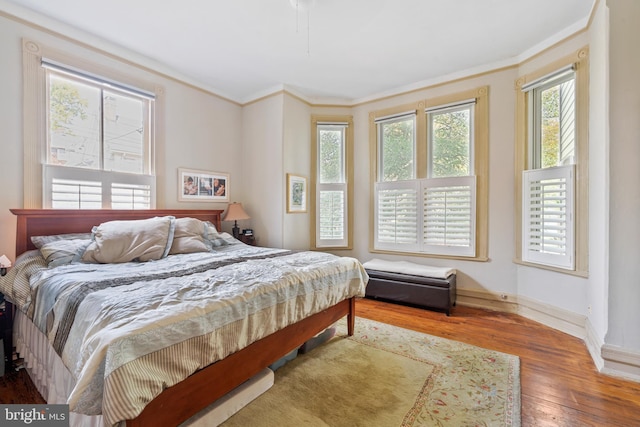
(551, 159)
(332, 181)
(99, 140)
(108, 176)
(397, 136)
(431, 166)
(451, 141)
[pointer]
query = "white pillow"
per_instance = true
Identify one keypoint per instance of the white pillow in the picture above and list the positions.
(188, 236)
(136, 240)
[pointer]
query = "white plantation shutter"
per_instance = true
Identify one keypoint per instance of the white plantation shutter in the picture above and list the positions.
(331, 224)
(397, 215)
(130, 196)
(77, 188)
(449, 206)
(548, 217)
(434, 216)
(76, 194)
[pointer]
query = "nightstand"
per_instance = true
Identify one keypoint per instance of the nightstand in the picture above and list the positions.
(6, 334)
(249, 239)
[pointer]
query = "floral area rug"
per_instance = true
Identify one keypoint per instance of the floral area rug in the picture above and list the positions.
(388, 376)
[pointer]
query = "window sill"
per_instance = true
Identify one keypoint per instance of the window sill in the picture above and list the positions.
(424, 255)
(577, 273)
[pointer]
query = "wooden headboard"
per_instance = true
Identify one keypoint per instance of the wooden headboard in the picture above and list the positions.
(46, 222)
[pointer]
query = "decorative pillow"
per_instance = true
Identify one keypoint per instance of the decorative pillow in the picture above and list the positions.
(40, 241)
(188, 236)
(212, 238)
(62, 252)
(136, 240)
(15, 285)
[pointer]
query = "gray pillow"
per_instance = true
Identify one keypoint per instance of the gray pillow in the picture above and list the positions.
(62, 252)
(40, 241)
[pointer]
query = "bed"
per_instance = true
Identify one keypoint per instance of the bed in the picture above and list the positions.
(311, 290)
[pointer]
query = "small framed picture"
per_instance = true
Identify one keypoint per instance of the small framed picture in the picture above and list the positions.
(296, 193)
(202, 186)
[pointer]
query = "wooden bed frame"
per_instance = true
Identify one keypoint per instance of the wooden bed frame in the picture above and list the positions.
(181, 401)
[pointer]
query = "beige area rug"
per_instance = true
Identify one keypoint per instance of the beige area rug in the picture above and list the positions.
(387, 376)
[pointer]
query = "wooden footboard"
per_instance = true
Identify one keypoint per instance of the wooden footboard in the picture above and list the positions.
(178, 403)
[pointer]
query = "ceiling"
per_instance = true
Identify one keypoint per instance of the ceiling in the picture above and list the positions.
(341, 51)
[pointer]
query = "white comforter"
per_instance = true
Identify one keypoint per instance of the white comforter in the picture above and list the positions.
(127, 331)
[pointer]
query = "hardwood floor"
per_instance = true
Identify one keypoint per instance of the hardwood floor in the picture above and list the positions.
(560, 384)
(559, 381)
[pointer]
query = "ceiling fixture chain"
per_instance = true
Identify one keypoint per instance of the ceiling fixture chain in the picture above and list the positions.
(306, 6)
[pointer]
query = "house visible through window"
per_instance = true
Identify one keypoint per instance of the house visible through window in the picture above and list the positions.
(549, 182)
(99, 142)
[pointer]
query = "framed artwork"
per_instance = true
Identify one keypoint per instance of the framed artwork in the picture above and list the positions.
(296, 193)
(202, 186)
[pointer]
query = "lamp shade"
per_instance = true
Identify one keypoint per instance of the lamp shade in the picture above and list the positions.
(235, 212)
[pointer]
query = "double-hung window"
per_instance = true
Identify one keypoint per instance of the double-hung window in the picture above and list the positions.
(397, 190)
(551, 151)
(548, 185)
(99, 142)
(430, 168)
(332, 175)
(450, 189)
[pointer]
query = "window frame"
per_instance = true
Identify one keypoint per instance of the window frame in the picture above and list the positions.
(579, 61)
(106, 177)
(35, 125)
(316, 186)
(480, 167)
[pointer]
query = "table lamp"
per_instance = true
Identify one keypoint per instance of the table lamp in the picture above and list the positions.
(235, 213)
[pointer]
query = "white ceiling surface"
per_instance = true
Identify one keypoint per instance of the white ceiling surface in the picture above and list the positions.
(341, 51)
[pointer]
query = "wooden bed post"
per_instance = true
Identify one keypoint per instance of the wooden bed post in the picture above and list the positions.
(351, 317)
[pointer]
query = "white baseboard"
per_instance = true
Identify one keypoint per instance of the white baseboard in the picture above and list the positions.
(594, 345)
(609, 359)
(619, 362)
(554, 317)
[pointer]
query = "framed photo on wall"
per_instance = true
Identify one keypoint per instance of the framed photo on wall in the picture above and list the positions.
(202, 186)
(296, 193)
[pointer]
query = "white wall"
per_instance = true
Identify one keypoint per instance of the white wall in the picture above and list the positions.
(598, 289)
(263, 166)
(297, 152)
(624, 265)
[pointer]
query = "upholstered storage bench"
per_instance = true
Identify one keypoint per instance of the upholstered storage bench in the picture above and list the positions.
(410, 283)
